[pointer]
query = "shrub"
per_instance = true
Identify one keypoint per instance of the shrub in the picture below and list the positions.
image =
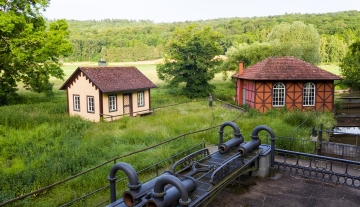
(297, 117)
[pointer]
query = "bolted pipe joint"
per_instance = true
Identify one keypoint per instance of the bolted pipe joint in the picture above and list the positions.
(179, 191)
(132, 197)
(130, 173)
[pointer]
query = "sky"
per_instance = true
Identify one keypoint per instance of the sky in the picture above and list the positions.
(182, 10)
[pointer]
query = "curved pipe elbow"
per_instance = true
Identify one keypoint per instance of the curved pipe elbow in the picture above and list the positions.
(159, 188)
(134, 182)
(255, 132)
(235, 127)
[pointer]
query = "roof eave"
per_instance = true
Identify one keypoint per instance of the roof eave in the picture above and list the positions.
(128, 90)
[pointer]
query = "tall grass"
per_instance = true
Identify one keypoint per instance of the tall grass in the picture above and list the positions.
(40, 144)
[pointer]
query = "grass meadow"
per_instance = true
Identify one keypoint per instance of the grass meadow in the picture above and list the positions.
(41, 144)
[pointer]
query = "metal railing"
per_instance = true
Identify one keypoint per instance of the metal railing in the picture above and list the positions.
(325, 169)
(343, 151)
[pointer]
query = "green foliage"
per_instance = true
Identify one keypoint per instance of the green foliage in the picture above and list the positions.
(190, 57)
(129, 40)
(296, 39)
(29, 52)
(350, 66)
(298, 117)
(248, 54)
(332, 49)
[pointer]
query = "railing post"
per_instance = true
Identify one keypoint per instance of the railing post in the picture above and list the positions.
(157, 170)
(320, 138)
(356, 148)
(272, 157)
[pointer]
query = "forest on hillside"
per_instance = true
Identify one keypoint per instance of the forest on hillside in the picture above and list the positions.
(129, 40)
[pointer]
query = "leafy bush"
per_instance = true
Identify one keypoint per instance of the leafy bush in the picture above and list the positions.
(297, 117)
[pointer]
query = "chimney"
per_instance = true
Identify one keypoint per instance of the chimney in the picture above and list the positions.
(241, 67)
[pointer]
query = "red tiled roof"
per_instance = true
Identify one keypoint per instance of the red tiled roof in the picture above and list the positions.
(113, 79)
(285, 68)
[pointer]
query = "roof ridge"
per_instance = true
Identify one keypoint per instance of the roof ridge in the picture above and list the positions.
(286, 68)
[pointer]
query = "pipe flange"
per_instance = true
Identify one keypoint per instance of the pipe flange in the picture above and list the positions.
(134, 187)
(184, 203)
(159, 195)
(254, 137)
(112, 179)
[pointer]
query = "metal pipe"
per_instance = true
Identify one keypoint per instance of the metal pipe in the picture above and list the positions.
(238, 139)
(225, 147)
(131, 197)
(255, 133)
(253, 144)
(237, 132)
(130, 173)
(180, 190)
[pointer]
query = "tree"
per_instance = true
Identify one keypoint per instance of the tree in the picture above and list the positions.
(29, 51)
(190, 57)
(336, 48)
(350, 66)
(296, 39)
(249, 54)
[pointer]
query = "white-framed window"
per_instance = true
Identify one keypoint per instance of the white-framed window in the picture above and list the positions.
(141, 99)
(278, 94)
(309, 94)
(90, 104)
(112, 103)
(76, 103)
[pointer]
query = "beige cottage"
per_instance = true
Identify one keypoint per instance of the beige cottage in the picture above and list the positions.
(107, 92)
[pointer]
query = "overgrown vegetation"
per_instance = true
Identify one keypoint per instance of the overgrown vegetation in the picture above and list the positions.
(41, 144)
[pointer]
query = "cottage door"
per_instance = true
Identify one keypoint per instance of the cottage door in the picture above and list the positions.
(127, 104)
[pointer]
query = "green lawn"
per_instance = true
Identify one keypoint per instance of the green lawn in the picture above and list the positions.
(331, 68)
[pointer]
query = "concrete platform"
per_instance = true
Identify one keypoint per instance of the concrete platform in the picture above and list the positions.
(285, 190)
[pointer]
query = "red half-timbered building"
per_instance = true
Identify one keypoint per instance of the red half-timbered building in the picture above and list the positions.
(285, 82)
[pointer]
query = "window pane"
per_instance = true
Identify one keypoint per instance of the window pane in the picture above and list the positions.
(309, 94)
(278, 94)
(76, 103)
(141, 99)
(90, 104)
(112, 103)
